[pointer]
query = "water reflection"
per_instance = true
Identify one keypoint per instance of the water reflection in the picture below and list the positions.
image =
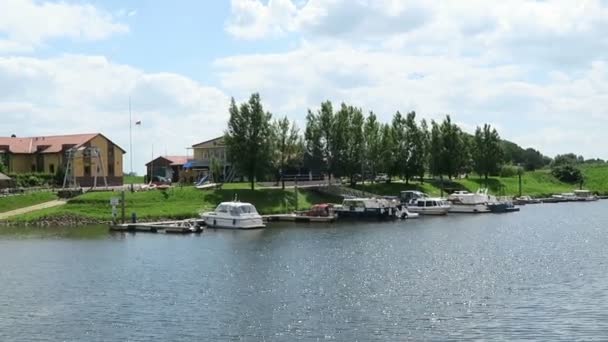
(537, 274)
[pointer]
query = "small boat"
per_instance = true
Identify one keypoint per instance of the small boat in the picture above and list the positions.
(468, 202)
(523, 200)
(429, 206)
(585, 196)
(362, 208)
(234, 215)
(324, 212)
(503, 207)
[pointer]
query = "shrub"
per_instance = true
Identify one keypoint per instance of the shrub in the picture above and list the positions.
(509, 171)
(567, 173)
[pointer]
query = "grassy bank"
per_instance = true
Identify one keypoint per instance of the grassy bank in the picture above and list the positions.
(175, 203)
(133, 179)
(538, 183)
(20, 201)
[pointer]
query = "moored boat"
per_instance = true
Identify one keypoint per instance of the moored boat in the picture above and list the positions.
(468, 202)
(362, 208)
(429, 206)
(585, 196)
(234, 215)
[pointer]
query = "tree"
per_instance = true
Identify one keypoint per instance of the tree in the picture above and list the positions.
(216, 169)
(248, 138)
(325, 126)
(387, 151)
(313, 146)
(287, 149)
(532, 159)
(414, 162)
(425, 137)
(435, 150)
(487, 152)
(565, 159)
(452, 157)
(355, 147)
(400, 149)
(567, 173)
(372, 136)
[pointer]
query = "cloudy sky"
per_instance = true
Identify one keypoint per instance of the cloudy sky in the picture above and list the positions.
(535, 69)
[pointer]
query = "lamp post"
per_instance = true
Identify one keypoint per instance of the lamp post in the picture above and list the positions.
(520, 171)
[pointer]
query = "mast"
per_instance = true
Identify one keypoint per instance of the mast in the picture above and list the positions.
(130, 136)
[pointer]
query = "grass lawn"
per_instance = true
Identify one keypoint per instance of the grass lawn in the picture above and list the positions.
(20, 201)
(133, 179)
(179, 202)
(538, 183)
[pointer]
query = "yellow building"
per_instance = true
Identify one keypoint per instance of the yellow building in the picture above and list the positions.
(49, 154)
(203, 153)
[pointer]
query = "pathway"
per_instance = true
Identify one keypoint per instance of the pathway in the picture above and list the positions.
(29, 209)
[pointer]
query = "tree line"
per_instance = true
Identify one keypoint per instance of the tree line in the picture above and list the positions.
(344, 142)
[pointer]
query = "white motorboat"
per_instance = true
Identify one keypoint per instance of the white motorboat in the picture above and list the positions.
(429, 206)
(468, 202)
(585, 195)
(234, 215)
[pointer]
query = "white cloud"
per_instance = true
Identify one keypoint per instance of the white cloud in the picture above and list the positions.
(433, 86)
(536, 69)
(27, 24)
(75, 94)
(252, 19)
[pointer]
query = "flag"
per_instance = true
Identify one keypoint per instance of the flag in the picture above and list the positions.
(138, 123)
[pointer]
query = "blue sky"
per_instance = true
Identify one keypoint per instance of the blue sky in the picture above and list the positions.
(534, 69)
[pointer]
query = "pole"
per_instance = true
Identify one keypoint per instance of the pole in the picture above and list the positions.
(520, 184)
(296, 191)
(122, 205)
(130, 138)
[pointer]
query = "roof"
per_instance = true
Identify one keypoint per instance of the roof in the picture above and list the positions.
(208, 141)
(4, 177)
(173, 160)
(48, 144)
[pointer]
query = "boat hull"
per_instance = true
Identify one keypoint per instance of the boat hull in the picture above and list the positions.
(377, 214)
(469, 208)
(213, 221)
(436, 211)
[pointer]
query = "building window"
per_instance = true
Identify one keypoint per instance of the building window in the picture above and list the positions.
(52, 168)
(33, 167)
(87, 170)
(111, 170)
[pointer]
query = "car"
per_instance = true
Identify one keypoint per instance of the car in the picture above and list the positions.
(381, 177)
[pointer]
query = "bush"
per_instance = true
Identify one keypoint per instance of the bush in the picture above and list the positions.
(509, 171)
(30, 179)
(567, 173)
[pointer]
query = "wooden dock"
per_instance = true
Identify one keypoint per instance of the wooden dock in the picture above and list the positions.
(298, 218)
(168, 227)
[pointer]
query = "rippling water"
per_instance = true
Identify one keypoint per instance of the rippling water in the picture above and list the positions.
(537, 274)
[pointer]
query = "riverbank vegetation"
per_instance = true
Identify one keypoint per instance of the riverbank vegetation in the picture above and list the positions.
(344, 142)
(13, 202)
(175, 203)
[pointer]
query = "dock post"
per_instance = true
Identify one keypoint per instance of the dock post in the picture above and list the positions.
(122, 205)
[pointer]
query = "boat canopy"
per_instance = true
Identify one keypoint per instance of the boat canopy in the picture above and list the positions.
(236, 208)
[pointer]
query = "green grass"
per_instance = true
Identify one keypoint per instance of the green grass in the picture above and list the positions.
(177, 203)
(20, 201)
(539, 183)
(133, 179)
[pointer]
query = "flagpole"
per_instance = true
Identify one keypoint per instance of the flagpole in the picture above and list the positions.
(130, 136)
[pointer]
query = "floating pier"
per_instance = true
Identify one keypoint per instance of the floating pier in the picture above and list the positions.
(298, 218)
(168, 227)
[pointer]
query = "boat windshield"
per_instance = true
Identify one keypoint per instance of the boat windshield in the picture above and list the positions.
(242, 210)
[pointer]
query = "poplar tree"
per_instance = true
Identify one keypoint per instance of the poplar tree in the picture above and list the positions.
(486, 151)
(248, 138)
(287, 146)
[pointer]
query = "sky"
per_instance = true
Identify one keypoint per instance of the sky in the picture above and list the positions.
(536, 70)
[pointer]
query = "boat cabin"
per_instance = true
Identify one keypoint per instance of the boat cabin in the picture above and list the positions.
(236, 209)
(411, 196)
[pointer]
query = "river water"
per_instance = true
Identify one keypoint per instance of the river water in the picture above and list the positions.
(537, 274)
